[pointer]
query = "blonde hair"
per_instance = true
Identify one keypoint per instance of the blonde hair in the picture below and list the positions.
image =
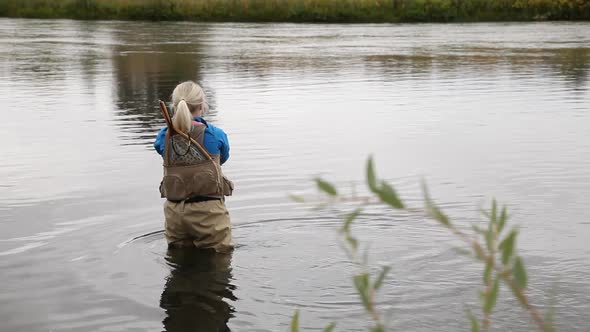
(187, 97)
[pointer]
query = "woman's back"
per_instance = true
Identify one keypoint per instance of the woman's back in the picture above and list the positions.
(193, 182)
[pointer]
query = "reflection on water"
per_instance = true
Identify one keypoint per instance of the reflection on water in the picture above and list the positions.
(569, 63)
(196, 291)
(146, 71)
(498, 109)
(573, 64)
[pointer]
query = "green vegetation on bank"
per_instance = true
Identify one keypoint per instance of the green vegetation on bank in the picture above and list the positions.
(302, 10)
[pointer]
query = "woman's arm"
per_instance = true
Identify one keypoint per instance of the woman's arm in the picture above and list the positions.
(160, 143)
(224, 147)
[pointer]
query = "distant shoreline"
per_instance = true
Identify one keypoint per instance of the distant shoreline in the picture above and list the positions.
(302, 11)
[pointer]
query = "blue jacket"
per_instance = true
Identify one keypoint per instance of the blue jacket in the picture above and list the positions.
(215, 140)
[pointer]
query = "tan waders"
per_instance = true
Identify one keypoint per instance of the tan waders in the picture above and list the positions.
(200, 224)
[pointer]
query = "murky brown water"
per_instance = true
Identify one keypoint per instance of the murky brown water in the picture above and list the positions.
(479, 110)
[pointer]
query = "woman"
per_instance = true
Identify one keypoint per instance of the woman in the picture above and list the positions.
(193, 184)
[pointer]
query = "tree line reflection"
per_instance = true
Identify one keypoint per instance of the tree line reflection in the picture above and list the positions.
(147, 67)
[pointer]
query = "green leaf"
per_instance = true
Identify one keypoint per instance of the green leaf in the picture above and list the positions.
(361, 282)
(507, 246)
(326, 187)
(484, 213)
(490, 300)
(490, 238)
(474, 322)
(381, 277)
(295, 322)
(503, 219)
(487, 273)
(371, 178)
(519, 273)
(518, 294)
(389, 196)
(490, 235)
(330, 327)
(494, 216)
(377, 329)
(432, 209)
(385, 191)
(297, 198)
(350, 218)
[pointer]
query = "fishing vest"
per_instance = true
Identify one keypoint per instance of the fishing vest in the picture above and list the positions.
(190, 171)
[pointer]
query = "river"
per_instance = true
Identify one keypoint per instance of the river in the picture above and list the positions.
(477, 110)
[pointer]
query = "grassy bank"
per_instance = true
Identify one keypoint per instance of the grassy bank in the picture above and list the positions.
(302, 10)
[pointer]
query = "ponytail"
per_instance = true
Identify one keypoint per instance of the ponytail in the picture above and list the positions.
(182, 119)
(188, 97)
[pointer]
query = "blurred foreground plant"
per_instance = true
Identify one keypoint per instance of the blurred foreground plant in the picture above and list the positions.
(493, 246)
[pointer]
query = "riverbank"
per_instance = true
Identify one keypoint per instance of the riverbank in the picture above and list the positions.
(366, 11)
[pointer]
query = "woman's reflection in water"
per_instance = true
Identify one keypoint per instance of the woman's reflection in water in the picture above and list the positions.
(196, 293)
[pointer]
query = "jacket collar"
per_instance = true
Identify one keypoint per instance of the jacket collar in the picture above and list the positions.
(201, 120)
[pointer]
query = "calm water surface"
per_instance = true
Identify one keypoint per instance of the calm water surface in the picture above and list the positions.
(479, 110)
